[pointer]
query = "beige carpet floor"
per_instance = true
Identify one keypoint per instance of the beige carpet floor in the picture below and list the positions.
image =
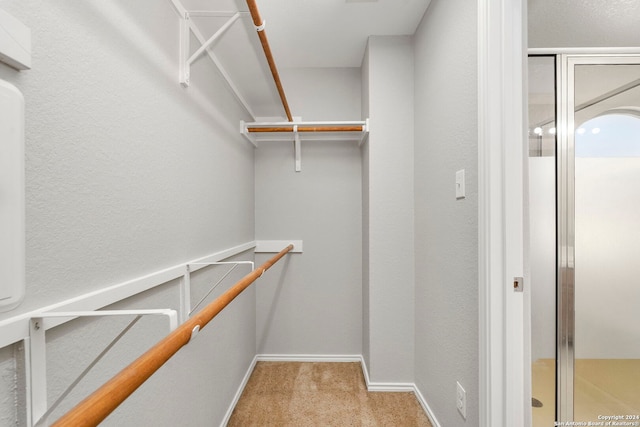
(320, 394)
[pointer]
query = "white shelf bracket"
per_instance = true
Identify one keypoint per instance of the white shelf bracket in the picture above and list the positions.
(345, 131)
(213, 38)
(186, 308)
(365, 132)
(187, 27)
(37, 360)
(245, 132)
(185, 294)
(185, 34)
(297, 148)
(37, 370)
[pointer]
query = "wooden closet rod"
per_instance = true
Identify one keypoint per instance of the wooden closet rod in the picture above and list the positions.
(95, 408)
(324, 128)
(259, 24)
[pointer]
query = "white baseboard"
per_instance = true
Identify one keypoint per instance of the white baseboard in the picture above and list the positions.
(236, 398)
(386, 387)
(371, 386)
(425, 406)
(308, 358)
(391, 387)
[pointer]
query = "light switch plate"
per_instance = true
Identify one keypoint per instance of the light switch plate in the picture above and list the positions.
(460, 191)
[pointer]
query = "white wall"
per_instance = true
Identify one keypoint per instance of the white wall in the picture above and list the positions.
(446, 242)
(365, 216)
(323, 93)
(127, 173)
(583, 23)
(313, 304)
(389, 254)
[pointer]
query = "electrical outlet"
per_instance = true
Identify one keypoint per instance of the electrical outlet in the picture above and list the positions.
(461, 400)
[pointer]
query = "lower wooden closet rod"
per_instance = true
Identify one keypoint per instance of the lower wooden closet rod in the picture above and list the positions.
(95, 408)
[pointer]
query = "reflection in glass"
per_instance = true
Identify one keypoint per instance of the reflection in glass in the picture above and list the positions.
(607, 241)
(542, 257)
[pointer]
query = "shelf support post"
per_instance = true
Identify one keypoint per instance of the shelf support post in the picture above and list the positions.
(297, 148)
(185, 67)
(37, 368)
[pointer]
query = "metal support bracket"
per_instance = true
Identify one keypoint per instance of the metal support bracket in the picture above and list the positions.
(188, 27)
(212, 39)
(255, 132)
(297, 149)
(365, 132)
(35, 347)
(185, 293)
(185, 34)
(245, 132)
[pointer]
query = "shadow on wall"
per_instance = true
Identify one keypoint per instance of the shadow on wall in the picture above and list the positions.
(154, 51)
(266, 327)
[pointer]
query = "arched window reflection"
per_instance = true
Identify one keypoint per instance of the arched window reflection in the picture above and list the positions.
(615, 133)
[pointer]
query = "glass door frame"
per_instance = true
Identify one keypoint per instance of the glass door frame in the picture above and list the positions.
(565, 219)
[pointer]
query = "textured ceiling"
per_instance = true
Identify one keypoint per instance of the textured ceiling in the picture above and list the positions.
(333, 33)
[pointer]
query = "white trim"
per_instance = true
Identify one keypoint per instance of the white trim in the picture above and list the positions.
(501, 54)
(275, 246)
(426, 407)
(583, 50)
(391, 387)
(386, 387)
(365, 371)
(16, 328)
(236, 397)
(308, 358)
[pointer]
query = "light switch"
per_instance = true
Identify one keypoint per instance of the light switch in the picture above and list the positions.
(460, 184)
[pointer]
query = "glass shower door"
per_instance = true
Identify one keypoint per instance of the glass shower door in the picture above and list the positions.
(542, 244)
(601, 326)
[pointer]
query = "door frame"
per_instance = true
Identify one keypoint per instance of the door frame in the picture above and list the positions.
(504, 321)
(501, 234)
